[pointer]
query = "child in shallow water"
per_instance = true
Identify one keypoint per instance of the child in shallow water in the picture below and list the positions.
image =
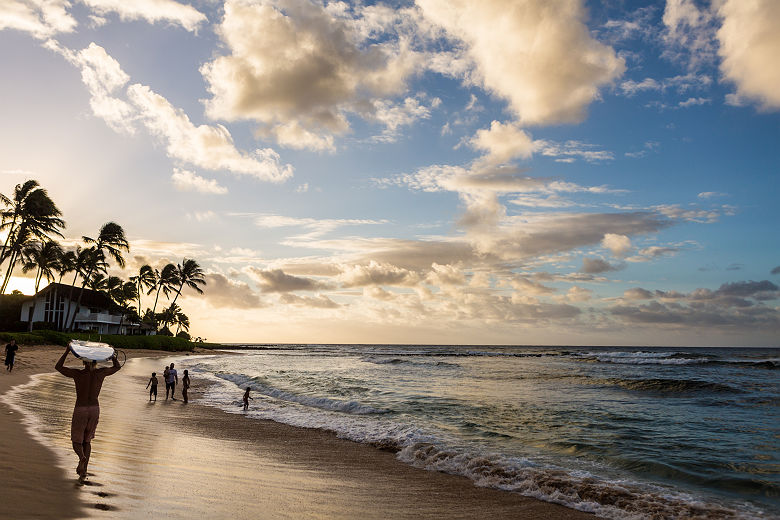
(153, 383)
(247, 398)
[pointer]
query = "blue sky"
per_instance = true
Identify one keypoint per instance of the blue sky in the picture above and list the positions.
(436, 171)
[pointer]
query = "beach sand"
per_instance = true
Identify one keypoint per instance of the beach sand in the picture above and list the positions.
(181, 461)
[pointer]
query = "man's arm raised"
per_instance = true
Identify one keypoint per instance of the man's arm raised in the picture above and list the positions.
(60, 366)
(113, 369)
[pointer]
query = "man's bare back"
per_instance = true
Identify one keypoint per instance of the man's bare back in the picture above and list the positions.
(86, 413)
(88, 380)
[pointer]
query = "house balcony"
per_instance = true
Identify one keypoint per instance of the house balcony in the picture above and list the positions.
(98, 317)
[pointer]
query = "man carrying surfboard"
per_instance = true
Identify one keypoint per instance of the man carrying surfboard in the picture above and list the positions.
(86, 413)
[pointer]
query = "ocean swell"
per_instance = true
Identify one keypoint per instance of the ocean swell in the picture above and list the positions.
(323, 403)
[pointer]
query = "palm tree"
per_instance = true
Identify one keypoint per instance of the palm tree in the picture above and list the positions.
(31, 215)
(67, 264)
(123, 293)
(166, 281)
(84, 258)
(182, 322)
(168, 315)
(145, 280)
(44, 257)
(111, 241)
(190, 274)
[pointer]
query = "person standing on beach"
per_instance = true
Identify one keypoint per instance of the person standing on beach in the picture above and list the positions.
(185, 385)
(165, 380)
(171, 380)
(153, 389)
(10, 355)
(247, 398)
(86, 413)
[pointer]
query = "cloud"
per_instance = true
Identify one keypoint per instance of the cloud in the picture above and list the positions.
(209, 147)
(650, 253)
(302, 63)
(41, 18)
(776, 270)
(377, 273)
(689, 33)
(503, 142)
(637, 293)
(316, 227)
(319, 301)
(276, 280)
(224, 292)
(578, 294)
(394, 116)
(292, 135)
(619, 245)
(749, 47)
(597, 265)
(694, 101)
(185, 180)
(571, 150)
(736, 305)
(150, 10)
(711, 194)
(103, 77)
(537, 55)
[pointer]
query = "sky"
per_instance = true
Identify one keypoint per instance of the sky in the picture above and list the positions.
(437, 171)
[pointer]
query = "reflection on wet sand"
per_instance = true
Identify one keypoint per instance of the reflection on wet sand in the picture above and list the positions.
(182, 460)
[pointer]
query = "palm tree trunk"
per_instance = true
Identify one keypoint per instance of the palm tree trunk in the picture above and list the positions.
(78, 303)
(70, 300)
(155, 299)
(7, 239)
(10, 270)
(177, 293)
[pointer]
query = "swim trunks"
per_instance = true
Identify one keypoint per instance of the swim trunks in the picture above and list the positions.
(84, 423)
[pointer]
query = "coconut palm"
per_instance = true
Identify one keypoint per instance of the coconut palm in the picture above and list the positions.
(67, 264)
(123, 294)
(182, 322)
(144, 280)
(166, 282)
(168, 316)
(84, 258)
(29, 216)
(44, 257)
(190, 274)
(110, 242)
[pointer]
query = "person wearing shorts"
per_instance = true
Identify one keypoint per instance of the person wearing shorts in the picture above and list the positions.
(86, 413)
(10, 355)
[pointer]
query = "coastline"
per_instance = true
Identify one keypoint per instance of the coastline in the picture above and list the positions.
(279, 470)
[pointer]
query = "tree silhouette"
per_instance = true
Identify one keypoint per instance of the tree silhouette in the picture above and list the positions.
(110, 241)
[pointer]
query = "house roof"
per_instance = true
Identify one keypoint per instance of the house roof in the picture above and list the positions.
(90, 298)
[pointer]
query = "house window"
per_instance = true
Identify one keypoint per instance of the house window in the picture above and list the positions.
(54, 308)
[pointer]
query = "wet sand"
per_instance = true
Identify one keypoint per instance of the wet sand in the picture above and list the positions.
(179, 460)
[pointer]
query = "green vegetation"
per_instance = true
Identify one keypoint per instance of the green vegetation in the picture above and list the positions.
(31, 221)
(50, 337)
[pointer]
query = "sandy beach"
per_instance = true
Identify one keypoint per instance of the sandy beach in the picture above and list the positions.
(184, 460)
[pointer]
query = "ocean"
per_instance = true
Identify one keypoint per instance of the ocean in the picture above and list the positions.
(621, 432)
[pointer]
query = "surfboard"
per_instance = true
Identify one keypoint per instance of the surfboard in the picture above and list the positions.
(91, 350)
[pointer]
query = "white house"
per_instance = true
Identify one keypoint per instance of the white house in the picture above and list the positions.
(56, 303)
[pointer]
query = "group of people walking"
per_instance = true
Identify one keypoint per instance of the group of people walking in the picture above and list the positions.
(171, 378)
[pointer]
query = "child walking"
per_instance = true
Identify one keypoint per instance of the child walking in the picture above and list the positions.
(153, 383)
(185, 385)
(247, 398)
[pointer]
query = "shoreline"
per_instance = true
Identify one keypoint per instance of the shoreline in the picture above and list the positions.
(312, 471)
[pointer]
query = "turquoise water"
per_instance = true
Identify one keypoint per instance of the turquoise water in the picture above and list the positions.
(623, 432)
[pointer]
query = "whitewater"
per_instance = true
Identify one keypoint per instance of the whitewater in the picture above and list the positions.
(626, 433)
